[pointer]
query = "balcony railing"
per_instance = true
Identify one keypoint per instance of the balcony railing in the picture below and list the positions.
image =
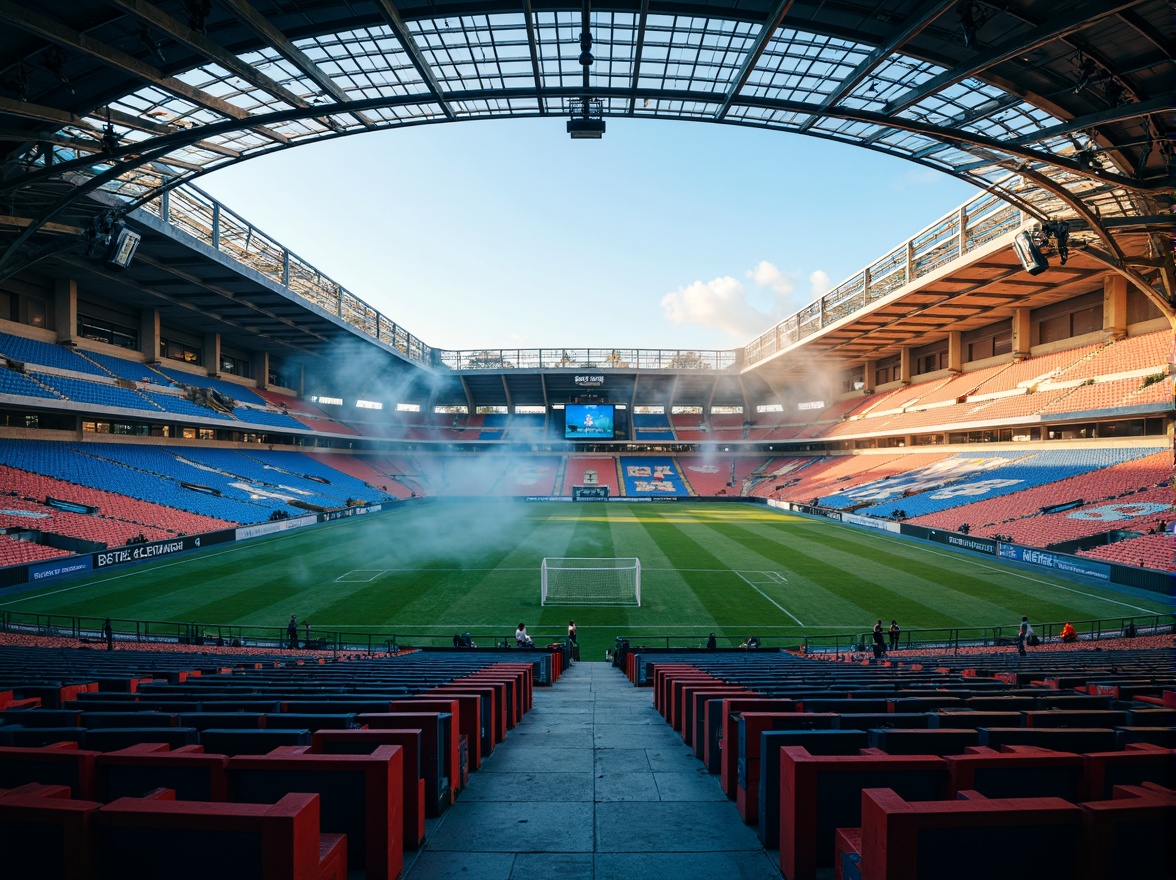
(971, 226)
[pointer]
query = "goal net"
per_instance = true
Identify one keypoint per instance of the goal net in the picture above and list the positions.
(581, 581)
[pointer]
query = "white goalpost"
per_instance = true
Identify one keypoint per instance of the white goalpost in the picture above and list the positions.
(587, 581)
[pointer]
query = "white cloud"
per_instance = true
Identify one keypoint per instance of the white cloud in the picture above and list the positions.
(727, 305)
(819, 283)
(769, 275)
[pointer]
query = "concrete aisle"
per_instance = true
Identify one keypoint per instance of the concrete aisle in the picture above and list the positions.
(592, 785)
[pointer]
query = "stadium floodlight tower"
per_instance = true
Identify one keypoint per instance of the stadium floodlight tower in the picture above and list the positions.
(588, 581)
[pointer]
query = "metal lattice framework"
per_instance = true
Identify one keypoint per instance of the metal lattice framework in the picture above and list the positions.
(105, 105)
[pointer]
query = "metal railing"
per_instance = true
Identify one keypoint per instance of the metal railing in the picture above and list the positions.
(128, 633)
(589, 359)
(954, 638)
(952, 237)
(974, 224)
(190, 210)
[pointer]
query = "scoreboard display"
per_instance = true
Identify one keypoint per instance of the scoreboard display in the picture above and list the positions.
(584, 421)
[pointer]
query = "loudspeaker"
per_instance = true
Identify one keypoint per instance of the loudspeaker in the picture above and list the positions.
(1032, 260)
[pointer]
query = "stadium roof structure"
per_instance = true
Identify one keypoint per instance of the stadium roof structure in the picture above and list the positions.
(1057, 111)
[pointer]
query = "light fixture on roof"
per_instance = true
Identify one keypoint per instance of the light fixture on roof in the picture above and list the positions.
(1027, 245)
(587, 122)
(111, 241)
(1086, 71)
(969, 23)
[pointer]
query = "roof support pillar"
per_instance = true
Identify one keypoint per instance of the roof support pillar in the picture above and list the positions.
(955, 351)
(1114, 305)
(1021, 341)
(212, 352)
(65, 310)
(149, 335)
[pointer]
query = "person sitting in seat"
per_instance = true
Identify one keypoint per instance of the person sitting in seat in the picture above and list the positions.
(1068, 633)
(522, 640)
(752, 643)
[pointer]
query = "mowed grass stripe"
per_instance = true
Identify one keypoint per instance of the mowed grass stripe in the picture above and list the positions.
(452, 567)
(716, 592)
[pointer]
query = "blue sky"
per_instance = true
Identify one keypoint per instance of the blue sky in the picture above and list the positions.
(508, 234)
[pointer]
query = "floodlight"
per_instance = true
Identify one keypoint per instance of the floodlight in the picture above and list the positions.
(1032, 260)
(582, 129)
(587, 118)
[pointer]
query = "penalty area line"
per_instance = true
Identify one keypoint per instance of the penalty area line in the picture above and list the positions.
(770, 599)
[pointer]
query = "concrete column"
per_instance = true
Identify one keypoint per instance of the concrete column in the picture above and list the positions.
(1021, 341)
(261, 368)
(868, 376)
(212, 353)
(1114, 305)
(149, 335)
(904, 365)
(65, 310)
(955, 351)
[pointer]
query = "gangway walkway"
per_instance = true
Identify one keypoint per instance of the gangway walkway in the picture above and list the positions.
(592, 785)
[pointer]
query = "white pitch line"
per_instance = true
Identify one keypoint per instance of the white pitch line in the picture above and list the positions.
(1046, 583)
(770, 599)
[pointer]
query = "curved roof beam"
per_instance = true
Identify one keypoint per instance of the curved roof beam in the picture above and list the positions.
(533, 49)
(1065, 22)
(63, 36)
(918, 20)
(771, 23)
(396, 23)
(184, 35)
(265, 29)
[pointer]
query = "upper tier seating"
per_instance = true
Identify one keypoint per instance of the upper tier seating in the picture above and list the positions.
(1034, 370)
(144, 472)
(493, 426)
(651, 426)
(365, 468)
(12, 382)
(726, 426)
(965, 478)
(127, 368)
(33, 352)
(239, 393)
(96, 393)
(526, 428)
(688, 426)
(174, 403)
(1104, 484)
(37, 487)
(256, 416)
(1148, 351)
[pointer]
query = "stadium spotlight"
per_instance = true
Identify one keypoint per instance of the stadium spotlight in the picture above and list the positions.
(1032, 260)
(587, 122)
(1027, 245)
(110, 241)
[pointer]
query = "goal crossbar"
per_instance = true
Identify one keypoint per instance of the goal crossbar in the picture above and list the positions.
(568, 580)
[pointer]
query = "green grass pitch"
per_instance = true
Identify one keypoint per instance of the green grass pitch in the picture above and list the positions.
(436, 569)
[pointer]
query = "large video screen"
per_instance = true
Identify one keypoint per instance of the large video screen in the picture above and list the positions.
(588, 421)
